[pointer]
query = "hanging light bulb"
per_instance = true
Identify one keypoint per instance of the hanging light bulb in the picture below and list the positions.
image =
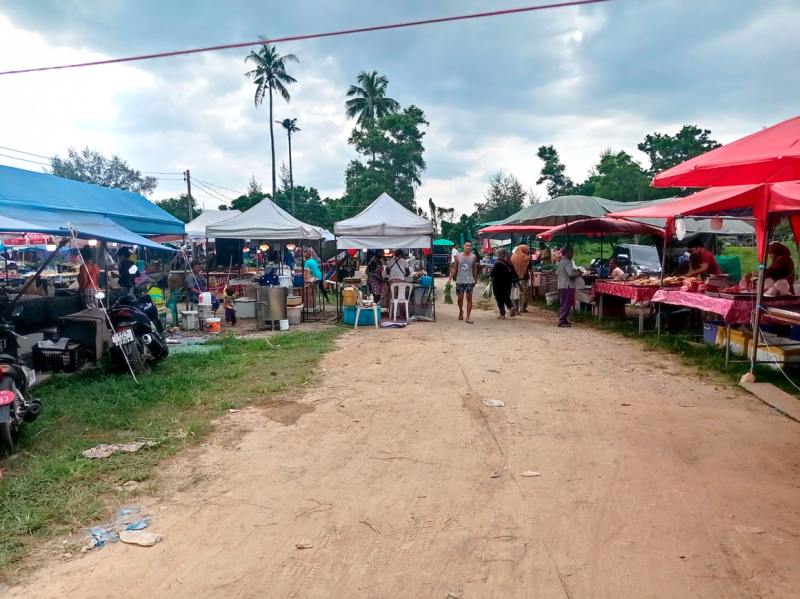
(51, 247)
(387, 252)
(364, 250)
(290, 247)
(92, 242)
(264, 247)
(246, 250)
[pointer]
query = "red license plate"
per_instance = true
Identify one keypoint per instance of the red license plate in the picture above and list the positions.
(6, 397)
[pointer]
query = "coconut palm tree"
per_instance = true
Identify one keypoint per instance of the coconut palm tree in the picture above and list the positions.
(370, 102)
(270, 75)
(291, 127)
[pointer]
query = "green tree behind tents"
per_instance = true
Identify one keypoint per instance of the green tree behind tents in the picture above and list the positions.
(91, 166)
(179, 207)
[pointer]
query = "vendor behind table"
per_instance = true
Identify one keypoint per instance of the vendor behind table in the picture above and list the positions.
(397, 267)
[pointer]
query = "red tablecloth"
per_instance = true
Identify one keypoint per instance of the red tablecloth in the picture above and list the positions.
(635, 293)
(736, 311)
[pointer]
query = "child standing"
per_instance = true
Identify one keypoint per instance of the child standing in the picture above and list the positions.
(230, 308)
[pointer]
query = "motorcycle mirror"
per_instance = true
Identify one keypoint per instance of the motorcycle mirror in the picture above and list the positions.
(17, 311)
(99, 295)
(133, 270)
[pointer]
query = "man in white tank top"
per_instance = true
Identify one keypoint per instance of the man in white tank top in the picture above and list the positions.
(465, 272)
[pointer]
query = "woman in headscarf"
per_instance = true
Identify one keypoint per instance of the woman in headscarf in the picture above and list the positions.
(521, 261)
(375, 275)
(782, 266)
(503, 278)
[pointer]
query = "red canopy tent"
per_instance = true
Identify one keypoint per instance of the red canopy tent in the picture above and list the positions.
(771, 155)
(521, 229)
(602, 226)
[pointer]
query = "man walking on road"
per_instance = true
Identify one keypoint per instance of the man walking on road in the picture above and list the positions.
(465, 272)
(567, 283)
(453, 253)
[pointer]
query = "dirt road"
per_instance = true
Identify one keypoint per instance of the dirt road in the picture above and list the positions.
(654, 483)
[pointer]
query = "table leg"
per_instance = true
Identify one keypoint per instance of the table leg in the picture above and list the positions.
(600, 309)
(658, 322)
(641, 320)
(727, 345)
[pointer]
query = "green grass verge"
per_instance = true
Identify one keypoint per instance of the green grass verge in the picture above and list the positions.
(688, 345)
(48, 488)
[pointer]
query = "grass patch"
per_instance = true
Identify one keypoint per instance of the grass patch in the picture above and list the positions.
(48, 488)
(688, 345)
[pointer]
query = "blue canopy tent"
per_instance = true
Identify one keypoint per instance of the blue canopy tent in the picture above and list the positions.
(55, 205)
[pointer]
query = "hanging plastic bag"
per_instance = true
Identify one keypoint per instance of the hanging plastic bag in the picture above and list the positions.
(514, 293)
(487, 293)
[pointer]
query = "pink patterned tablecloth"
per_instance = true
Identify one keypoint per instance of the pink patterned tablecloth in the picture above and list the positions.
(736, 311)
(636, 293)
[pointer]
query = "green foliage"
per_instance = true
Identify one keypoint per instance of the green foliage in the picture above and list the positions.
(49, 488)
(467, 226)
(619, 177)
(309, 208)
(179, 207)
(504, 197)
(253, 196)
(437, 214)
(666, 151)
(552, 173)
(90, 166)
(370, 101)
(394, 145)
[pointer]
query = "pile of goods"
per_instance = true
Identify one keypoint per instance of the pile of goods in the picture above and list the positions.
(677, 281)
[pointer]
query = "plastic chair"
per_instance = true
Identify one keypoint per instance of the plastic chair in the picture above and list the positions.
(361, 303)
(400, 293)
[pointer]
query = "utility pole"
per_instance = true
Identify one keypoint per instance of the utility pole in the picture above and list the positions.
(188, 178)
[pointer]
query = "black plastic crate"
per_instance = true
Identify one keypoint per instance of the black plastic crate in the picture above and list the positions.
(69, 359)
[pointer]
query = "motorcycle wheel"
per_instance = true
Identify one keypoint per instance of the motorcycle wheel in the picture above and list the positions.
(139, 362)
(6, 439)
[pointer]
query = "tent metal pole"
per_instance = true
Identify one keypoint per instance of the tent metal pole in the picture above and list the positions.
(760, 295)
(433, 280)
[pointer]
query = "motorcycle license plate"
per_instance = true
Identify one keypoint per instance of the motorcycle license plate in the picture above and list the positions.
(122, 338)
(6, 397)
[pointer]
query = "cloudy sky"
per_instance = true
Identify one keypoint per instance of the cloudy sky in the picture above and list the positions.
(495, 89)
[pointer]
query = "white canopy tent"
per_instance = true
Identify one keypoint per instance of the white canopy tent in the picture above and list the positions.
(196, 229)
(384, 224)
(265, 220)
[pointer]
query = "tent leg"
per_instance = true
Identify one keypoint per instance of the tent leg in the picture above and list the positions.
(760, 295)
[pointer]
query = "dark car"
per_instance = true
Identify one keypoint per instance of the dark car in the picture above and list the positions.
(637, 259)
(441, 259)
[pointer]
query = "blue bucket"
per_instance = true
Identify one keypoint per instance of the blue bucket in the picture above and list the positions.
(298, 281)
(426, 281)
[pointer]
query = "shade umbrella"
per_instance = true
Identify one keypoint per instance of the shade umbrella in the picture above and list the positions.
(558, 211)
(444, 242)
(771, 155)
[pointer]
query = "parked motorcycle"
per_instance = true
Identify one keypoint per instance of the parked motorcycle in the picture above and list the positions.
(15, 378)
(138, 338)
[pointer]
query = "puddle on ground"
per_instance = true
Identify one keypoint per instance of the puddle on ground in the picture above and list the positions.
(287, 413)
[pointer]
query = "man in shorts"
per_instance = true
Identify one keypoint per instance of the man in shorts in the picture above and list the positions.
(465, 271)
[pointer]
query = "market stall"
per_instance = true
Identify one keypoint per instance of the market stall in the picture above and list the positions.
(386, 224)
(254, 230)
(754, 177)
(70, 215)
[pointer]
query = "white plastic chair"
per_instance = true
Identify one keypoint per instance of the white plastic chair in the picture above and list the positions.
(400, 293)
(361, 303)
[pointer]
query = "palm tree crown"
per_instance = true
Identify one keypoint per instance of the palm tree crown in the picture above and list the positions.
(270, 72)
(370, 102)
(290, 125)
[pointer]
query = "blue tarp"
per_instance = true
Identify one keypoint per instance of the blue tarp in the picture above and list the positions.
(88, 226)
(53, 196)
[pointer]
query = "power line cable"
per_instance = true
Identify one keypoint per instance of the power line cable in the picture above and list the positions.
(24, 160)
(27, 153)
(241, 193)
(210, 193)
(313, 36)
(157, 173)
(198, 183)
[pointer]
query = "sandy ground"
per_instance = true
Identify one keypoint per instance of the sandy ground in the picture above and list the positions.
(654, 483)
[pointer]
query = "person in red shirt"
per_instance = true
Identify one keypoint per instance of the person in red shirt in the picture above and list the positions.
(87, 279)
(708, 263)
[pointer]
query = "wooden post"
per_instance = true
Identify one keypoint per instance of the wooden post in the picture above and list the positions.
(188, 178)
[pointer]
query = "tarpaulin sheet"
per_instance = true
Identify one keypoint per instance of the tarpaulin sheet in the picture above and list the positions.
(51, 194)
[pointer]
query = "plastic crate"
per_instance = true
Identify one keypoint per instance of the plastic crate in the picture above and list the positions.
(710, 330)
(366, 317)
(69, 359)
